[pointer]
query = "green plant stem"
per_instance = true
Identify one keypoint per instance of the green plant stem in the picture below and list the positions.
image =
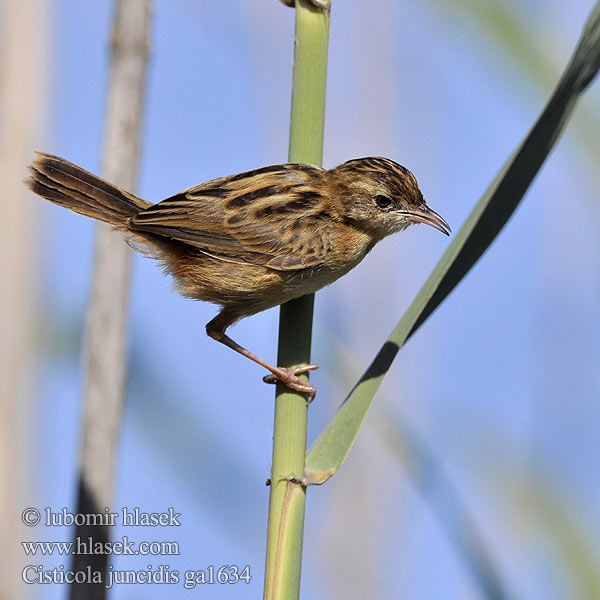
(287, 498)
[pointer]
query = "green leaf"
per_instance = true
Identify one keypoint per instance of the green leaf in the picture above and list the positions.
(480, 229)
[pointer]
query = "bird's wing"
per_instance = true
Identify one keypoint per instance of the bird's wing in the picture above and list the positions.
(271, 217)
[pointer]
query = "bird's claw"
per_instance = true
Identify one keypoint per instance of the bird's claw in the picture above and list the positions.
(289, 376)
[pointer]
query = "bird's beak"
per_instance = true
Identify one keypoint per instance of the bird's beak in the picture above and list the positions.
(424, 214)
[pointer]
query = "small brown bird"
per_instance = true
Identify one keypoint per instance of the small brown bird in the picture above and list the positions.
(255, 240)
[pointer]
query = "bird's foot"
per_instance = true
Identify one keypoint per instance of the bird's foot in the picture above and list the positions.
(289, 376)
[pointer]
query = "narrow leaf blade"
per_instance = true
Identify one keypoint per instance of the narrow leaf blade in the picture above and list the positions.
(476, 235)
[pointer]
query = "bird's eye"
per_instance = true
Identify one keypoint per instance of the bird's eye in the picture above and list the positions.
(382, 201)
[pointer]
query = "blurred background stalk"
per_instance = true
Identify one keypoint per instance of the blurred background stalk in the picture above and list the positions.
(106, 326)
(23, 56)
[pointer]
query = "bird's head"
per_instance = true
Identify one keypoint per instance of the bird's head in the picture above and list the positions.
(382, 197)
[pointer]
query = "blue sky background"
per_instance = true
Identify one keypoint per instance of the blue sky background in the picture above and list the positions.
(502, 382)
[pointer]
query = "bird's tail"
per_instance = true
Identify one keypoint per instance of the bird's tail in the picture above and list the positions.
(68, 185)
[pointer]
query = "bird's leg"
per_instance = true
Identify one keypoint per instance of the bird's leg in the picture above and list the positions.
(288, 376)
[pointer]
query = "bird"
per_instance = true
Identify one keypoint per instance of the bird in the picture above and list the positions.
(254, 240)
